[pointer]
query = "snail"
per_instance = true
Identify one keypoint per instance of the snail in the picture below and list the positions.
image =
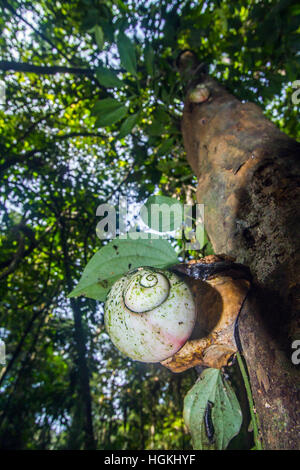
(149, 314)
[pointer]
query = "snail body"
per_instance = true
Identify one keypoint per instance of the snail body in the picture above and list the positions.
(149, 314)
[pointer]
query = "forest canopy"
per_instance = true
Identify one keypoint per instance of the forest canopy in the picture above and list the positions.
(90, 109)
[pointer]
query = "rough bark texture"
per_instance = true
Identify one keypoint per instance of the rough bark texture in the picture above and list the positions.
(218, 302)
(248, 173)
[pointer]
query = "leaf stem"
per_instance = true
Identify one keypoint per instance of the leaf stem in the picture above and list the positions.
(254, 417)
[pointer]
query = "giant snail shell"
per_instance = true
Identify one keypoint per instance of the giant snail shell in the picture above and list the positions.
(149, 314)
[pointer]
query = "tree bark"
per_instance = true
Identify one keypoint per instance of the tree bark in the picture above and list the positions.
(248, 180)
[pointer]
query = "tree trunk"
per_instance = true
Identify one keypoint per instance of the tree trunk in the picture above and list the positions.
(248, 179)
(84, 396)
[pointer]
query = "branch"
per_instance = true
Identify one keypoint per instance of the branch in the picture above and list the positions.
(21, 253)
(80, 134)
(19, 159)
(43, 70)
(52, 113)
(16, 259)
(15, 159)
(27, 330)
(45, 38)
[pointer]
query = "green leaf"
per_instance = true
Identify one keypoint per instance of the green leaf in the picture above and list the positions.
(117, 258)
(223, 19)
(128, 125)
(164, 148)
(156, 128)
(127, 53)
(99, 36)
(111, 118)
(106, 105)
(207, 244)
(109, 111)
(169, 213)
(149, 56)
(160, 114)
(224, 418)
(108, 78)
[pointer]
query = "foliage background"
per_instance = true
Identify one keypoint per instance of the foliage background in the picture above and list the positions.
(64, 385)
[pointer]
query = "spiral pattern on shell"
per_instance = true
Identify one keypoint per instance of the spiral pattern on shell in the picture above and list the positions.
(149, 314)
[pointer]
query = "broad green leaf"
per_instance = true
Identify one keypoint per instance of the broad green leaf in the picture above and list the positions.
(111, 118)
(160, 114)
(207, 244)
(108, 112)
(165, 95)
(149, 56)
(223, 19)
(224, 419)
(99, 37)
(127, 53)
(108, 78)
(156, 128)
(117, 258)
(162, 213)
(106, 105)
(164, 148)
(128, 125)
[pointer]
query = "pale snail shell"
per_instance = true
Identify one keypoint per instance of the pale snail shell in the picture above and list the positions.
(149, 314)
